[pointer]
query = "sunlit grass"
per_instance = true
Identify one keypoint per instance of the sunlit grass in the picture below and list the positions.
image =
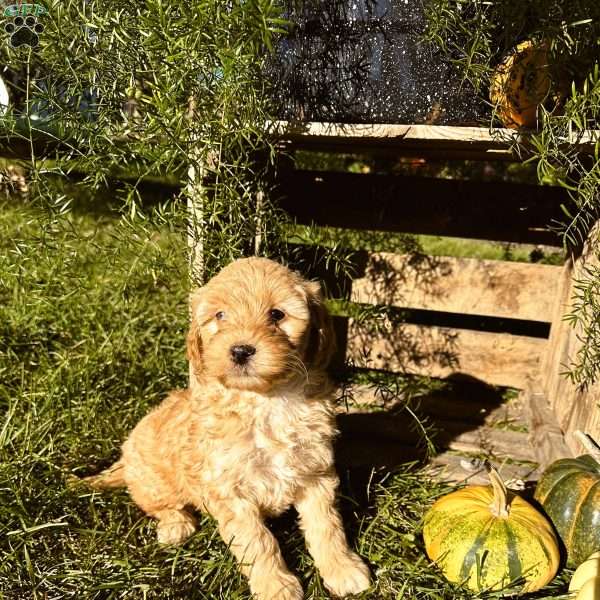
(92, 322)
(387, 241)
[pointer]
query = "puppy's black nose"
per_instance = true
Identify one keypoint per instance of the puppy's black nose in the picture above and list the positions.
(240, 354)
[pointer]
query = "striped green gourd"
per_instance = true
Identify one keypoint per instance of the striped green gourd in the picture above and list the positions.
(490, 539)
(569, 492)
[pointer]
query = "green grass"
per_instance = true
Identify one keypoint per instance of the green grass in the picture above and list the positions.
(92, 320)
(386, 241)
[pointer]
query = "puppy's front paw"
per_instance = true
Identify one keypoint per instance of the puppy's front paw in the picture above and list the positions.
(175, 529)
(347, 575)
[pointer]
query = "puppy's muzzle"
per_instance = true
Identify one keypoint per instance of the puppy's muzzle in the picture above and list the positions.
(240, 354)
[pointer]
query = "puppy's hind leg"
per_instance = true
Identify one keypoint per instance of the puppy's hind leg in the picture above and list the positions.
(112, 477)
(156, 498)
(174, 525)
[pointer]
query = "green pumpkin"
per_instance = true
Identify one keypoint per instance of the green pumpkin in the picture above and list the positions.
(569, 492)
(490, 539)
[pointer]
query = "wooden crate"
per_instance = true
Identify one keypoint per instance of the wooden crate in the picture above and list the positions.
(523, 343)
(549, 407)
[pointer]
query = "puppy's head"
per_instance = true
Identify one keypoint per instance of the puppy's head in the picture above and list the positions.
(256, 325)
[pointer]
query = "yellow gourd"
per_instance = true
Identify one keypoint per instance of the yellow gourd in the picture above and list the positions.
(586, 579)
(590, 590)
(520, 84)
(489, 538)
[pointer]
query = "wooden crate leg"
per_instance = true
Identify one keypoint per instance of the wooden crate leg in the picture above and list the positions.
(545, 435)
(557, 353)
(539, 398)
(574, 407)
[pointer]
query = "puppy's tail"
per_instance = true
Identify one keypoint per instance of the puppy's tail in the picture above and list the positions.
(112, 477)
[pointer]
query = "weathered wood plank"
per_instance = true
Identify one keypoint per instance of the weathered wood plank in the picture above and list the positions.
(495, 442)
(481, 142)
(442, 141)
(575, 407)
(394, 134)
(380, 431)
(480, 210)
(464, 437)
(545, 435)
(470, 405)
(460, 285)
(453, 467)
(591, 422)
(556, 354)
(450, 465)
(497, 359)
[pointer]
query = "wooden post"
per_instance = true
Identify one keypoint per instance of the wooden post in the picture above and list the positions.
(575, 407)
(545, 436)
(540, 398)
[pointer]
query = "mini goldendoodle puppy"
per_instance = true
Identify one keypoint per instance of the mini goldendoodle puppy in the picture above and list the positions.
(253, 434)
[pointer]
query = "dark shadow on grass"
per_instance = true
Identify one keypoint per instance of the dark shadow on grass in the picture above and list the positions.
(371, 445)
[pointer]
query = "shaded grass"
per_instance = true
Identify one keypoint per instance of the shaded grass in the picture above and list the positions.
(92, 320)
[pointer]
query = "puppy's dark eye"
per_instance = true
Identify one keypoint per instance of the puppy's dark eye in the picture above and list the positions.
(220, 315)
(275, 315)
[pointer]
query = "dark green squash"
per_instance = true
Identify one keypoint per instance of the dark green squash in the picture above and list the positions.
(569, 492)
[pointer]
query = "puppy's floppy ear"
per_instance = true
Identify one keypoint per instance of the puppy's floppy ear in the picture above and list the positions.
(193, 340)
(321, 337)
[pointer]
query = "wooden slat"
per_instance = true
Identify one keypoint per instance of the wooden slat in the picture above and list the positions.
(469, 209)
(470, 405)
(496, 442)
(394, 134)
(464, 437)
(488, 143)
(557, 354)
(575, 407)
(545, 435)
(450, 466)
(460, 285)
(441, 141)
(570, 404)
(495, 358)
(465, 417)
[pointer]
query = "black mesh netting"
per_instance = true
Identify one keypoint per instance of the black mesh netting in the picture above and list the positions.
(365, 61)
